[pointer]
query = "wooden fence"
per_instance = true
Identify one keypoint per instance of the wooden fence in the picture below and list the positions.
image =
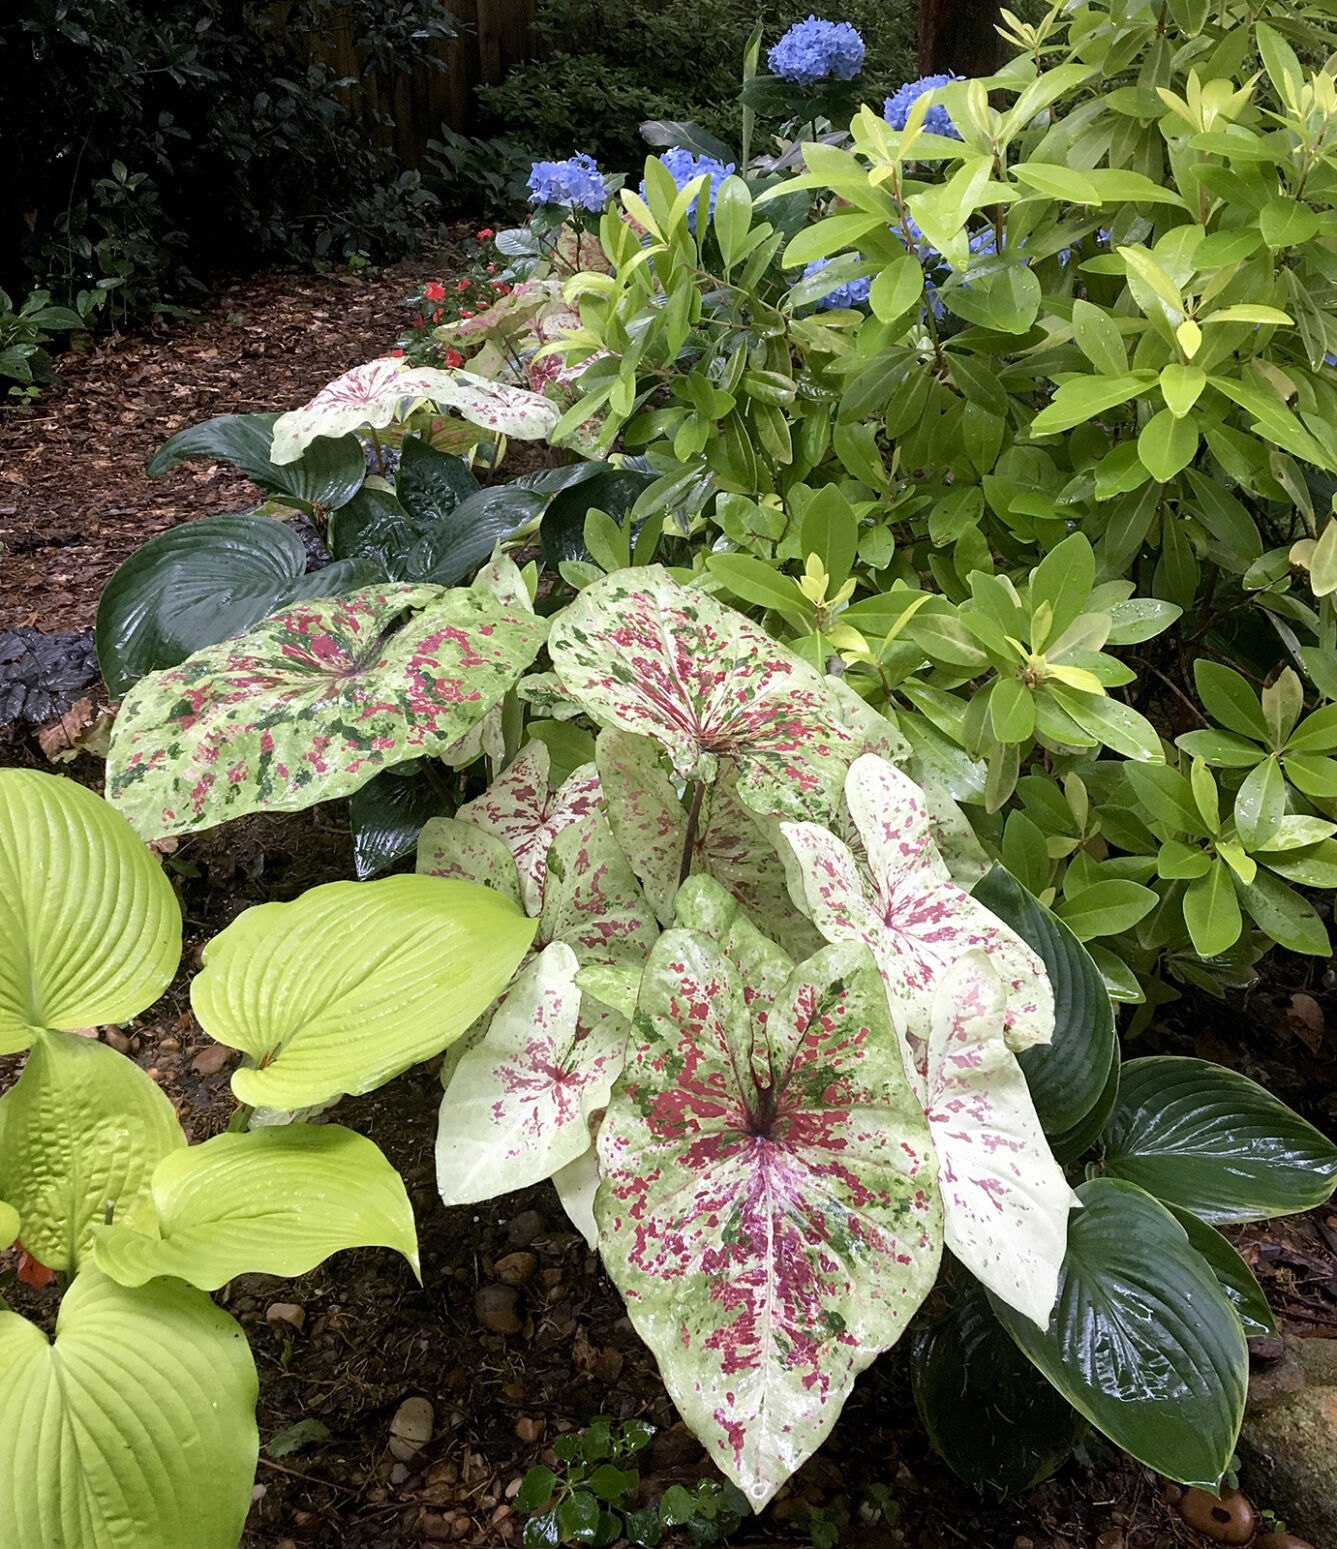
(494, 35)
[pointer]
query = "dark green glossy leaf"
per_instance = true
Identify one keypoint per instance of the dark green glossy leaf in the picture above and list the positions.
(430, 483)
(1211, 1141)
(578, 1518)
(1233, 1275)
(328, 474)
(373, 526)
(1142, 1340)
(642, 1526)
(1068, 1076)
(611, 1484)
(691, 137)
(562, 531)
(536, 1488)
(463, 539)
(542, 1532)
(201, 583)
(387, 814)
(986, 1409)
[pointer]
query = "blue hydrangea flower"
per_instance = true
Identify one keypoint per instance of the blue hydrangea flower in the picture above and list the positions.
(683, 167)
(851, 294)
(816, 50)
(575, 182)
(896, 108)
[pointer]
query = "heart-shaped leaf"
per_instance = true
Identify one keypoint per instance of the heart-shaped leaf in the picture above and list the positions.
(518, 1103)
(986, 1409)
(1143, 1341)
(591, 900)
(328, 475)
(388, 813)
(91, 927)
(273, 1201)
(644, 654)
(81, 1132)
(767, 1206)
(463, 853)
(354, 982)
(1209, 1140)
(1067, 1075)
(204, 582)
(311, 704)
(134, 1427)
(1233, 1275)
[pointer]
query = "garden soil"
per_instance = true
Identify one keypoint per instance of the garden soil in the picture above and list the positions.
(515, 1334)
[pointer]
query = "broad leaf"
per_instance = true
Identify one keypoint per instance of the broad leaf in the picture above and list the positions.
(1068, 1075)
(905, 907)
(577, 1184)
(9, 1223)
(771, 1232)
(591, 900)
(519, 1101)
(1143, 1341)
(1233, 1275)
(81, 1132)
(90, 926)
(453, 548)
(1005, 1200)
(464, 853)
(388, 813)
(134, 1428)
(204, 582)
(521, 811)
(1209, 1140)
(273, 1201)
(310, 705)
(986, 1409)
(328, 475)
(644, 654)
(354, 982)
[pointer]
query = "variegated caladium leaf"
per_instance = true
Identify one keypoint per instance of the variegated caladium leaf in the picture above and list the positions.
(770, 1234)
(450, 848)
(591, 900)
(642, 653)
(1005, 1199)
(904, 905)
(526, 816)
(519, 1101)
(576, 1185)
(387, 389)
(312, 703)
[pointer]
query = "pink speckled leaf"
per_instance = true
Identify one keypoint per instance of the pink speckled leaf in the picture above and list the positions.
(370, 395)
(576, 1185)
(520, 810)
(904, 905)
(510, 315)
(1005, 1199)
(519, 1101)
(449, 848)
(591, 900)
(644, 654)
(769, 1239)
(310, 704)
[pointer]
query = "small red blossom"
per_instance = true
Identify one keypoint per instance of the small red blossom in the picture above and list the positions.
(453, 358)
(462, 284)
(465, 312)
(30, 1271)
(419, 324)
(486, 232)
(396, 354)
(435, 291)
(437, 315)
(492, 268)
(501, 287)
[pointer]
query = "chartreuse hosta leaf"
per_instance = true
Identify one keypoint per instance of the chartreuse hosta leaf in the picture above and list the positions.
(354, 982)
(134, 1428)
(641, 653)
(1143, 1341)
(1209, 1140)
(986, 1409)
(9, 1223)
(274, 1201)
(90, 926)
(81, 1132)
(767, 1205)
(518, 1103)
(312, 703)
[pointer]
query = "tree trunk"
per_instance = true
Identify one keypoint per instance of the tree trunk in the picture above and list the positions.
(959, 36)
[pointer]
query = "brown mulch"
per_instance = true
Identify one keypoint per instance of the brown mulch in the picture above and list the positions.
(74, 502)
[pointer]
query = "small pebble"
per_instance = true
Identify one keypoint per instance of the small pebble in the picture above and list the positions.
(278, 1313)
(399, 1473)
(1229, 1520)
(497, 1308)
(169, 1044)
(116, 1039)
(525, 1227)
(516, 1268)
(529, 1430)
(211, 1059)
(411, 1429)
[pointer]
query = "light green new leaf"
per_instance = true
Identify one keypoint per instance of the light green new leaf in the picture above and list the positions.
(90, 926)
(518, 1102)
(81, 1132)
(1083, 397)
(1209, 1140)
(1166, 445)
(9, 1224)
(1116, 724)
(354, 982)
(274, 1201)
(1143, 1341)
(1181, 387)
(1260, 804)
(1212, 912)
(311, 704)
(1099, 339)
(133, 1429)
(1291, 921)
(1105, 908)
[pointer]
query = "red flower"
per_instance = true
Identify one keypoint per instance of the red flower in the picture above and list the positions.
(465, 312)
(463, 284)
(501, 287)
(437, 315)
(485, 233)
(452, 359)
(419, 324)
(434, 291)
(492, 268)
(30, 1271)
(396, 354)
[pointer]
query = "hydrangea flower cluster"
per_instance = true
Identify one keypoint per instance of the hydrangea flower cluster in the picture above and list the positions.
(851, 294)
(575, 182)
(683, 167)
(896, 108)
(817, 50)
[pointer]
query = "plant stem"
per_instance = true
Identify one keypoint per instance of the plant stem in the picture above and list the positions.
(689, 838)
